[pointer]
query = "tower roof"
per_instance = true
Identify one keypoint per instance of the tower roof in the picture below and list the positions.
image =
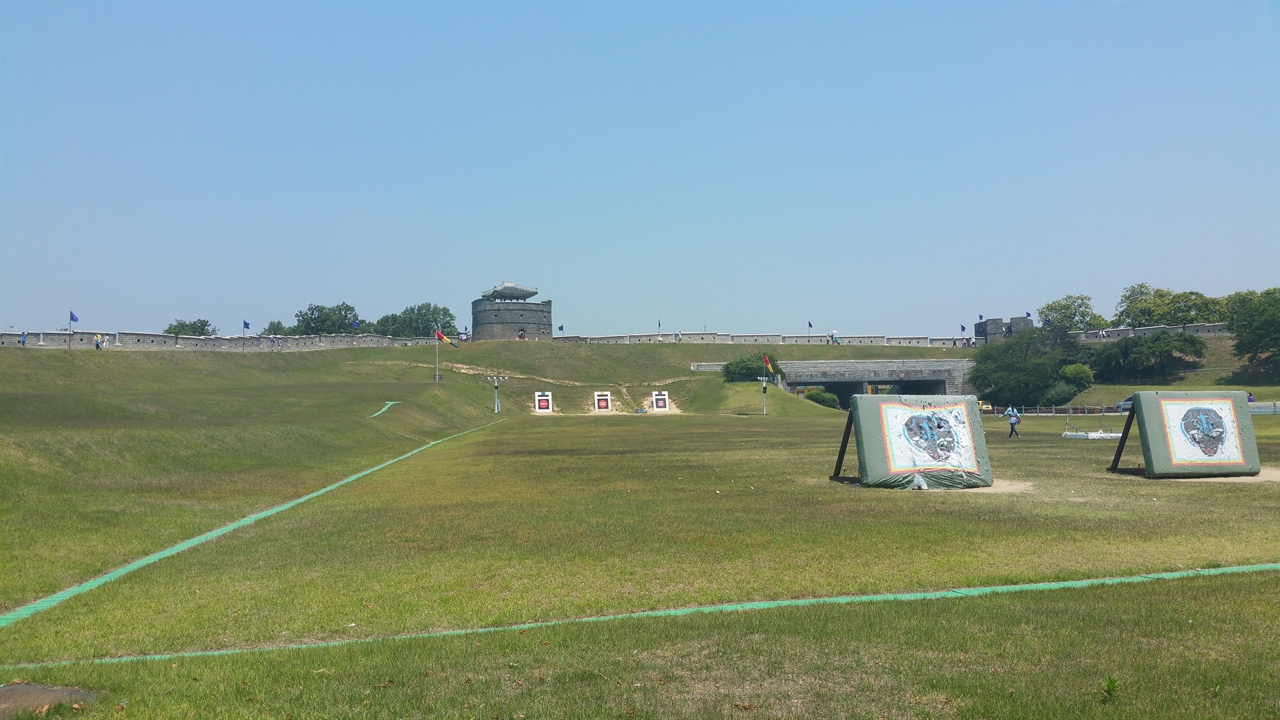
(509, 291)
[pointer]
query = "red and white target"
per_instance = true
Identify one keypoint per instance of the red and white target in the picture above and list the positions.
(604, 402)
(661, 403)
(542, 402)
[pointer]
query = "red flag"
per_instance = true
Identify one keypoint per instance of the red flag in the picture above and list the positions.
(768, 365)
(440, 336)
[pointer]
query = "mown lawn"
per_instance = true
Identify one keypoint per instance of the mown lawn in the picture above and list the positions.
(565, 517)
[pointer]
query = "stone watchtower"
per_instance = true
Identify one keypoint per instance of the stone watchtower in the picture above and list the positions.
(503, 314)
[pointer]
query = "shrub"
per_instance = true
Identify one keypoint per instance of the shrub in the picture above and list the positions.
(748, 367)
(823, 398)
(1077, 375)
(1060, 393)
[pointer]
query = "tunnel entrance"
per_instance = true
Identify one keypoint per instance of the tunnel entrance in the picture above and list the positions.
(844, 389)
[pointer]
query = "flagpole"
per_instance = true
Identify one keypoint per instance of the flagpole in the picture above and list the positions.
(437, 339)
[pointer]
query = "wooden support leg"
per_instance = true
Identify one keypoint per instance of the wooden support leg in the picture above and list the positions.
(844, 445)
(1124, 437)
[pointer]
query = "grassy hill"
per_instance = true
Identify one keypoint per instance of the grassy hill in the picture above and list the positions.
(106, 457)
(1217, 373)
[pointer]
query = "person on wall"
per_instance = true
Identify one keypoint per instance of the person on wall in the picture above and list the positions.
(1014, 420)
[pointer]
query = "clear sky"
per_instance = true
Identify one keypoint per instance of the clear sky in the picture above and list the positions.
(891, 168)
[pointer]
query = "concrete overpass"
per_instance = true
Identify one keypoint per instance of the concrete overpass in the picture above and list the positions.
(851, 377)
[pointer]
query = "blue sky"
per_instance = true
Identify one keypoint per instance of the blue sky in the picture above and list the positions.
(888, 168)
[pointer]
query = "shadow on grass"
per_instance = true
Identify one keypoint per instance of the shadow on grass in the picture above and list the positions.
(1263, 371)
(1134, 471)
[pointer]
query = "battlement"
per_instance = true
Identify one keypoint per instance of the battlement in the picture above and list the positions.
(124, 340)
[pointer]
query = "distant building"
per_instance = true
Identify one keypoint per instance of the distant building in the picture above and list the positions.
(502, 313)
(996, 328)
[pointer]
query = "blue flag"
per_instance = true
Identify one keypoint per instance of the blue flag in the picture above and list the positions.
(961, 329)
(74, 318)
(1028, 314)
(979, 317)
(810, 324)
(355, 324)
(246, 324)
(561, 328)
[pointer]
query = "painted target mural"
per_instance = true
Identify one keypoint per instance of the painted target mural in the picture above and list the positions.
(933, 438)
(1195, 433)
(1202, 432)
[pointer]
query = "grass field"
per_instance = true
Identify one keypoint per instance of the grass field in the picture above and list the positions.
(107, 457)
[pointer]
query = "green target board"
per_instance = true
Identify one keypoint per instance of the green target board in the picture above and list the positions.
(1196, 434)
(938, 437)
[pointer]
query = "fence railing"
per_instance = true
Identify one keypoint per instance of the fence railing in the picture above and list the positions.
(1256, 408)
(1068, 410)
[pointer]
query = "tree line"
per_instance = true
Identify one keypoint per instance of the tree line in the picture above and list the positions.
(1142, 305)
(414, 321)
(1047, 366)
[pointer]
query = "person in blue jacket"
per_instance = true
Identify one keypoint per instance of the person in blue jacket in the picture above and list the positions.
(1014, 419)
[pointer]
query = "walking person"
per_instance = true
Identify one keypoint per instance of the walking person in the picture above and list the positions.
(1014, 420)
(24, 338)
(97, 342)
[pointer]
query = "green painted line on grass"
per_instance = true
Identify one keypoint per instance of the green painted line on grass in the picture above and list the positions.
(30, 609)
(385, 408)
(677, 612)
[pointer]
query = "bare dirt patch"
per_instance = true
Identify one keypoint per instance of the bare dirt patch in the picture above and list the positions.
(38, 698)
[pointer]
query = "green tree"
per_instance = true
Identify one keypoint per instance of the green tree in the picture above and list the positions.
(1141, 306)
(1076, 375)
(275, 327)
(322, 320)
(1254, 318)
(1144, 358)
(1071, 313)
(1018, 370)
(1144, 306)
(1185, 308)
(748, 367)
(201, 328)
(417, 321)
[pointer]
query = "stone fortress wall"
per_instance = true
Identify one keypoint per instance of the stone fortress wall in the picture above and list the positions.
(1114, 334)
(504, 319)
(83, 340)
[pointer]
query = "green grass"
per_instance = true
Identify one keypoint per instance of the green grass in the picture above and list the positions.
(112, 456)
(1176, 648)
(1219, 365)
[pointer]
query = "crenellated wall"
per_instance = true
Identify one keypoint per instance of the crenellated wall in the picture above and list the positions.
(1113, 334)
(83, 340)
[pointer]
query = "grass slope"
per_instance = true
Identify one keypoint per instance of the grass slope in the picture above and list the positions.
(111, 456)
(1220, 366)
